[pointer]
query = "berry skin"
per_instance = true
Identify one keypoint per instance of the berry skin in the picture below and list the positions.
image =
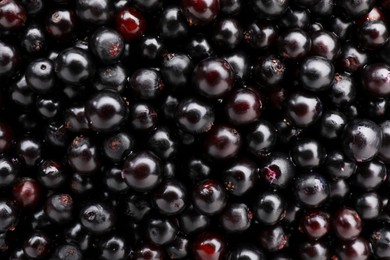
(40, 76)
(8, 215)
(74, 66)
(376, 79)
(61, 24)
(98, 218)
(362, 140)
(59, 208)
(12, 15)
(243, 106)
(316, 224)
(209, 197)
(83, 155)
(107, 45)
(142, 171)
(200, 12)
(130, 23)
(213, 77)
(37, 245)
(209, 246)
(106, 111)
(194, 116)
(316, 73)
(347, 224)
(222, 142)
(27, 193)
(95, 12)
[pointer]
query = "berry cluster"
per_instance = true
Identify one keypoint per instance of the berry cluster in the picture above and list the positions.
(194, 129)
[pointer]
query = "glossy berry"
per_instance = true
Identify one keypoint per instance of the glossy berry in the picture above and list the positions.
(142, 171)
(200, 12)
(278, 170)
(40, 75)
(27, 193)
(130, 23)
(173, 25)
(161, 231)
(246, 251)
(338, 166)
(83, 155)
(325, 44)
(170, 197)
(316, 73)
(240, 177)
(9, 170)
(106, 111)
(375, 79)
(8, 215)
(12, 15)
(51, 174)
(95, 12)
(149, 251)
(228, 34)
(114, 248)
(243, 106)
(236, 218)
(269, 208)
(316, 224)
(358, 248)
(179, 248)
(209, 197)
(303, 109)
(347, 224)
(295, 17)
(176, 70)
(222, 142)
(357, 9)
(107, 45)
(369, 205)
(308, 153)
(146, 84)
(362, 140)
(314, 250)
(29, 150)
(270, 9)
(260, 35)
(342, 91)
(10, 60)
(379, 242)
(295, 44)
(210, 246)
(97, 218)
(111, 77)
(61, 24)
(273, 239)
(370, 175)
(68, 251)
(332, 125)
(59, 208)
(311, 189)
(270, 71)
(117, 145)
(213, 77)
(74, 66)
(352, 58)
(143, 117)
(37, 245)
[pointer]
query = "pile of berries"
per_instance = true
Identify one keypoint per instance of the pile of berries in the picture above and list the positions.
(194, 129)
